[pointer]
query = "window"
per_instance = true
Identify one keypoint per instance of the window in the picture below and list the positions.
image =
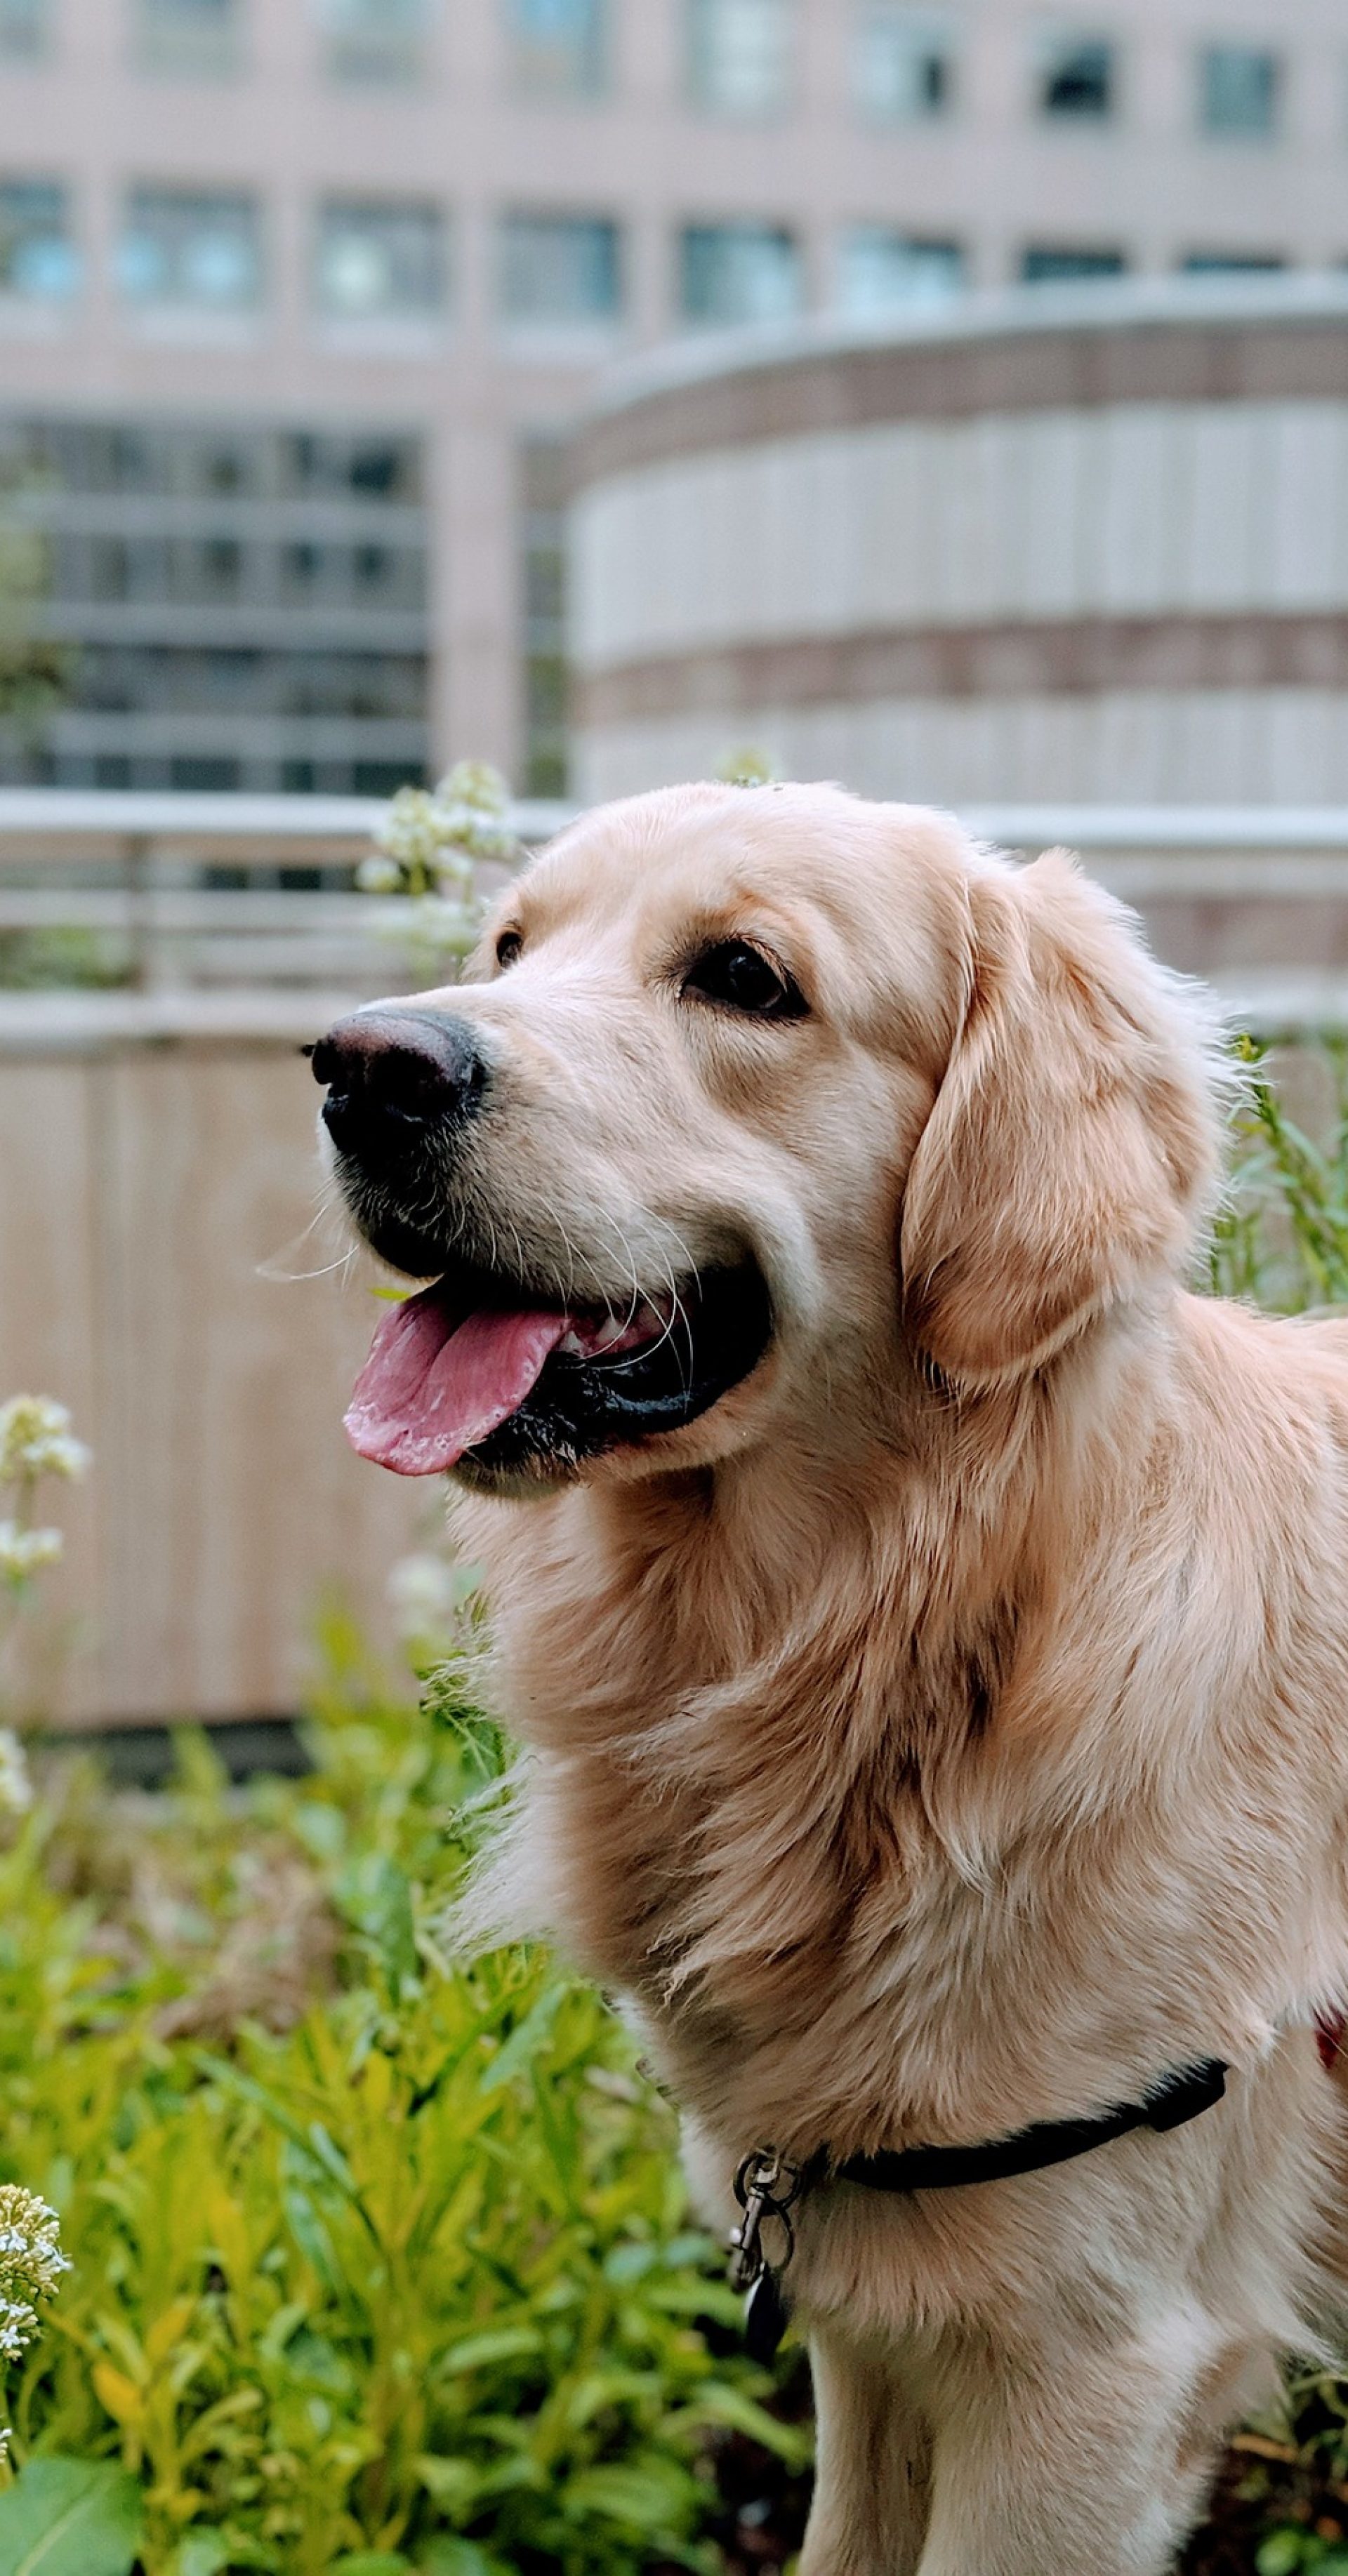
(560, 270)
(39, 263)
(1231, 263)
(194, 251)
(903, 63)
(380, 261)
(1076, 78)
(375, 469)
(1043, 264)
(25, 29)
(374, 40)
(1238, 90)
(739, 56)
(190, 36)
(883, 271)
(558, 48)
(731, 273)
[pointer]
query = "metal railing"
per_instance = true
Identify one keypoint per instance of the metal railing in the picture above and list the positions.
(198, 911)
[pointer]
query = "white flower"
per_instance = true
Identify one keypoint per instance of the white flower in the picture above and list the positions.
(379, 875)
(31, 2264)
(421, 1589)
(16, 1797)
(35, 1440)
(429, 842)
(476, 784)
(453, 868)
(24, 1551)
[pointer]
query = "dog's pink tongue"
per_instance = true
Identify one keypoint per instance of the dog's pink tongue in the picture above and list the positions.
(431, 1389)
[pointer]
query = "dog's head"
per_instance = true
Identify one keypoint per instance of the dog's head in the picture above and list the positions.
(756, 1103)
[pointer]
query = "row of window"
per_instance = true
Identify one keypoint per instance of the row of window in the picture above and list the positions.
(739, 55)
(323, 473)
(223, 571)
(375, 261)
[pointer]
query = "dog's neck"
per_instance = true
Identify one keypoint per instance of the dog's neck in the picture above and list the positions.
(769, 1711)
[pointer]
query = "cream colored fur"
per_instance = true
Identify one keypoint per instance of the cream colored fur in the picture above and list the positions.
(950, 1730)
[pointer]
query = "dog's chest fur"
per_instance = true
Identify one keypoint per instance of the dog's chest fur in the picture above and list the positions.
(835, 1841)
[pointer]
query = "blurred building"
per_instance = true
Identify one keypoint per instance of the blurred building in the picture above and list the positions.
(1071, 547)
(298, 298)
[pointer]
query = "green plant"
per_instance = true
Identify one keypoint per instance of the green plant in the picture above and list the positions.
(34, 670)
(1282, 1235)
(405, 2281)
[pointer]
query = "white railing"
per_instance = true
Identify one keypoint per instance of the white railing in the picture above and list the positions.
(1256, 897)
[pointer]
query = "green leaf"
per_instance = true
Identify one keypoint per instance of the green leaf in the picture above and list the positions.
(373, 2562)
(648, 2498)
(526, 2038)
(719, 2404)
(460, 2558)
(70, 2518)
(501, 2343)
(204, 2553)
(1284, 2552)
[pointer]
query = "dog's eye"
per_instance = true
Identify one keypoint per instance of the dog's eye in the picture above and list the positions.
(734, 973)
(508, 947)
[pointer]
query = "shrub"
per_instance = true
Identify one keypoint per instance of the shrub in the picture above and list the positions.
(407, 2283)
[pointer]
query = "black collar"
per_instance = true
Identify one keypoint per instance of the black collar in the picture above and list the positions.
(1169, 2104)
(767, 2186)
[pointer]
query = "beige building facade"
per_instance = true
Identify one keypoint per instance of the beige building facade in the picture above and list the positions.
(298, 298)
(1075, 548)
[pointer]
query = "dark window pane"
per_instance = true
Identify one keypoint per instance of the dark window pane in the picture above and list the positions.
(1232, 263)
(197, 251)
(739, 56)
(883, 271)
(374, 40)
(558, 48)
(559, 269)
(193, 37)
(902, 62)
(25, 30)
(1238, 90)
(380, 261)
(207, 774)
(39, 263)
(1043, 262)
(731, 273)
(1077, 77)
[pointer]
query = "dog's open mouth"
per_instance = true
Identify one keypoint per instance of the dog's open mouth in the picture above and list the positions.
(474, 1370)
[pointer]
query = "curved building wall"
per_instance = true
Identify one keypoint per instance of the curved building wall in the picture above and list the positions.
(1097, 553)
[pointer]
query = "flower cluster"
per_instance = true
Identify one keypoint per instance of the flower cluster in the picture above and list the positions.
(31, 2264)
(429, 844)
(25, 1551)
(36, 1440)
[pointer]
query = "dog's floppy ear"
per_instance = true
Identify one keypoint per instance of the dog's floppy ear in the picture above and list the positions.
(1074, 1135)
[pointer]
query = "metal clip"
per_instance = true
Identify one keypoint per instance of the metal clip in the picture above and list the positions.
(765, 2187)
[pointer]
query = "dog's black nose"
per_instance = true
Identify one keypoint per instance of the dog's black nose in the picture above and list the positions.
(393, 1074)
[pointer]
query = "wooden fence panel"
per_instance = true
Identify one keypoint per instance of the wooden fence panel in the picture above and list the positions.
(144, 1187)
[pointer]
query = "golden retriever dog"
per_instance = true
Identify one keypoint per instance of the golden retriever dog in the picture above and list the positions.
(926, 1620)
